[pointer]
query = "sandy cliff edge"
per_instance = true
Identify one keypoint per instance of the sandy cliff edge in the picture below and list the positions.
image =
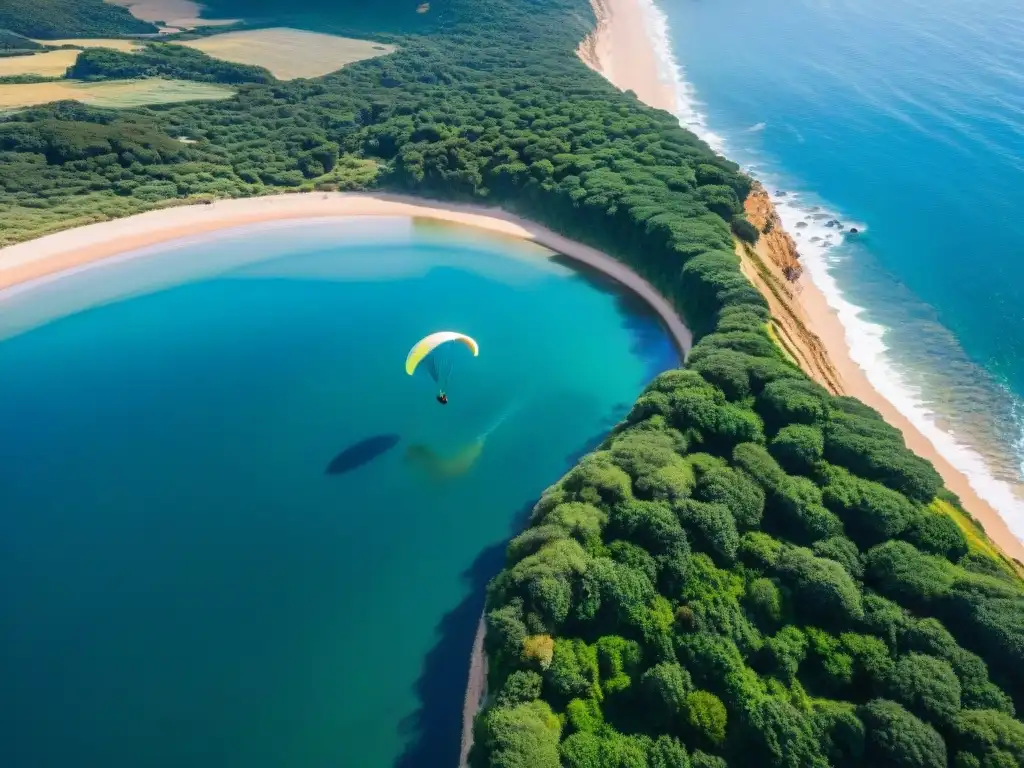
(804, 324)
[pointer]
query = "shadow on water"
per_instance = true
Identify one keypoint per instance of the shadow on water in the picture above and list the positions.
(363, 452)
(441, 688)
(612, 420)
(434, 728)
(651, 341)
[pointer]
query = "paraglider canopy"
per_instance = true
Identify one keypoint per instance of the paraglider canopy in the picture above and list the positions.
(428, 344)
(436, 349)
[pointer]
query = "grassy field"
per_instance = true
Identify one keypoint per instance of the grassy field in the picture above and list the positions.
(289, 53)
(181, 14)
(49, 64)
(55, 63)
(977, 541)
(115, 94)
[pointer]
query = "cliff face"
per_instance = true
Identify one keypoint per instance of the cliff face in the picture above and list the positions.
(775, 242)
(773, 266)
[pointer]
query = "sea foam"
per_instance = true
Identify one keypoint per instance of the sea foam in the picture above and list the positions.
(806, 220)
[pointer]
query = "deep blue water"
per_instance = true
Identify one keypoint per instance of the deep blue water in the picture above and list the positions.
(233, 532)
(908, 117)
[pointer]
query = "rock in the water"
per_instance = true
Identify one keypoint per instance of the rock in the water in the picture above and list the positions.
(854, 230)
(780, 193)
(801, 224)
(815, 239)
(830, 223)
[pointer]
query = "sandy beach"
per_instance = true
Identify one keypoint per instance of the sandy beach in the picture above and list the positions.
(811, 331)
(75, 248)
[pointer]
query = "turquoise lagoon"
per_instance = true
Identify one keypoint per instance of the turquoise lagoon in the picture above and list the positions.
(203, 562)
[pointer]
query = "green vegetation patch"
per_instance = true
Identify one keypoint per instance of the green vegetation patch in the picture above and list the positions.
(11, 41)
(51, 19)
(163, 60)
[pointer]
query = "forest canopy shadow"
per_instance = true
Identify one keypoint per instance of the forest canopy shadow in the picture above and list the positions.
(441, 688)
(363, 452)
(435, 726)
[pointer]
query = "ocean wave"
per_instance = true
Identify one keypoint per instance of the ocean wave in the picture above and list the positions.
(670, 71)
(819, 231)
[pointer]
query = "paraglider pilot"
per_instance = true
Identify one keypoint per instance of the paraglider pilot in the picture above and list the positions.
(436, 348)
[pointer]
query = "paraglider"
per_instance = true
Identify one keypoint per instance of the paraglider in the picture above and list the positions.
(437, 353)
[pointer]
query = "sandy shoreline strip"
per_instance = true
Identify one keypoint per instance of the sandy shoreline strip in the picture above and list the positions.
(75, 248)
(621, 50)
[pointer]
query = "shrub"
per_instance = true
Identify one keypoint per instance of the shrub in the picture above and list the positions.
(744, 230)
(897, 739)
(706, 716)
(798, 448)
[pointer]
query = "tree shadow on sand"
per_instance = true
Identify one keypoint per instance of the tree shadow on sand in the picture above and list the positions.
(436, 725)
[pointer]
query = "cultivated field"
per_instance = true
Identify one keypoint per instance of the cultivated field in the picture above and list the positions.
(49, 64)
(289, 53)
(115, 94)
(55, 63)
(179, 14)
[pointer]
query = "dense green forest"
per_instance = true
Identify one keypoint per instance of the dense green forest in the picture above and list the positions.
(749, 571)
(162, 60)
(53, 19)
(9, 41)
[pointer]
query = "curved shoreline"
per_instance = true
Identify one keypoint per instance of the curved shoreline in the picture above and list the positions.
(75, 248)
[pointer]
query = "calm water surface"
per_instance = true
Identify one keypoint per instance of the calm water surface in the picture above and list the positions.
(185, 581)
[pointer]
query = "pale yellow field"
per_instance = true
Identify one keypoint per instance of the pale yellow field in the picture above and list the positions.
(55, 63)
(289, 53)
(181, 14)
(117, 94)
(49, 64)
(96, 42)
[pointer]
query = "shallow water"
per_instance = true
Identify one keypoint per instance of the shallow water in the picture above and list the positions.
(904, 119)
(234, 532)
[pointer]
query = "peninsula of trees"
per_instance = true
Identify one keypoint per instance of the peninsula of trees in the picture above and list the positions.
(749, 572)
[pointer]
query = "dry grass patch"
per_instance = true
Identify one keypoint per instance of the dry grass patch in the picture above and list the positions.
(289, 53)
(49, 64)
(56, 63)
(114, 94)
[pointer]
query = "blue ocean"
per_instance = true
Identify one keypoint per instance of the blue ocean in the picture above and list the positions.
(905, 119)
